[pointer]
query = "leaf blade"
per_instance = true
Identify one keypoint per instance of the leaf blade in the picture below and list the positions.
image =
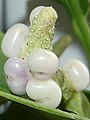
(79, 104)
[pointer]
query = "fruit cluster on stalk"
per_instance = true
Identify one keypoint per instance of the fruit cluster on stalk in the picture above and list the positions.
(33, 75)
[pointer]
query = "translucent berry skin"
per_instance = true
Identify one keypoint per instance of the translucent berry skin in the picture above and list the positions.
(34, 13)
(47, 92)
(43, 63)
(16, 67)
(17, 85)
(14, 39)
(77, 72)
(17, 75)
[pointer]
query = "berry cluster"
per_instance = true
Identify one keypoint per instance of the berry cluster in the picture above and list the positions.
(33, 75)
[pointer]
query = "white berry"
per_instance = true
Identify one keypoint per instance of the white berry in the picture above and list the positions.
(46, 92)
(16, 67)
(14, 39)
(43, 63)
(34, 13)
(77, 72)
(17, 75)
(17, 85)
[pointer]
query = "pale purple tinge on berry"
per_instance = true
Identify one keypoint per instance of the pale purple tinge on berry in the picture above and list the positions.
(43, 64)
(16, 67)
(17, 75)
(17, 85)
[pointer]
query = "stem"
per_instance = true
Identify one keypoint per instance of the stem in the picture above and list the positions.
(49, 111)
(61, 45)
(41, 32)
(82, 25)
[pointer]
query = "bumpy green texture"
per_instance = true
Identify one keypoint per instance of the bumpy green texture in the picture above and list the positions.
(41, 31)
(72, 101)
(65, 84)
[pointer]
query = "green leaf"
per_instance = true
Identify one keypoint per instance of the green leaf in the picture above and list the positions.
(84, 6)
(46, 112)
(2, 77)
(79, 104)
(3, 84)
(77, 11)
(82, 25)
(79, 23)
(72, 101)
(1, 35)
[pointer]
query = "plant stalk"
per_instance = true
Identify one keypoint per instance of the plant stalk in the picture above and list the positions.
(82, 25)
